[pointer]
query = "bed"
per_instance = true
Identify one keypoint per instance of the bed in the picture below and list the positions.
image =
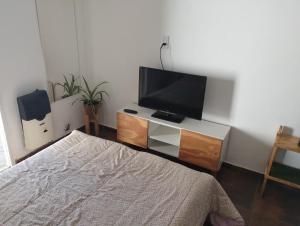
(84, 180)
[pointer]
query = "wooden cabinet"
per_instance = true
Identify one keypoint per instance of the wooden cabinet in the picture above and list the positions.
(200, 150)
(132, 130)
(198, 142)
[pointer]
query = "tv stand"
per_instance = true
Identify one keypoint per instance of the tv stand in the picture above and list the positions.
(199, 142)
(172, 117)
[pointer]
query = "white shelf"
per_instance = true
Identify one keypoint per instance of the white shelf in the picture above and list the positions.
(165, 134)
(164, 148)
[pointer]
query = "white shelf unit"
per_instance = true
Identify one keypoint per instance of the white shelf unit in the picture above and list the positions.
(164, 148)
(164, 139)
(164, 133)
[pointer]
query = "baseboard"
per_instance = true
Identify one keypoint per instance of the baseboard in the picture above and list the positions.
(244, 168)
(39, 149)
(101, 126)
(109, 127)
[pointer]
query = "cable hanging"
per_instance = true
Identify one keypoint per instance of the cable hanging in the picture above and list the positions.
(161, 61)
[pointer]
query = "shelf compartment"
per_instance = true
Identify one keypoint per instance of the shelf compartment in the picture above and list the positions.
(286, 173)
(164, 148)
(164, 134)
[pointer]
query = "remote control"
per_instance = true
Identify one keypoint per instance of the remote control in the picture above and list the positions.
(130, 111)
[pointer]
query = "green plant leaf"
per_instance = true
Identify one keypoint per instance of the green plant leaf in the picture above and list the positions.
(70, 86)
(91, 96)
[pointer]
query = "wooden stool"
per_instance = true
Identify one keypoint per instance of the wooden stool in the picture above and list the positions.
(282, 142)
(91, 116)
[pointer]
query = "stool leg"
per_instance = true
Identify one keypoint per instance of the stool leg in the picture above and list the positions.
(87, 124)
(97, 128)
(263, 187)
(268, 169)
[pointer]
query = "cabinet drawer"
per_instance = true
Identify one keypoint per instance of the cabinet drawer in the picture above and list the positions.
(200, 150)
(132, 130)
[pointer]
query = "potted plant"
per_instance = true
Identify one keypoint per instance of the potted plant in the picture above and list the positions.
(92, 98)
(71, 87)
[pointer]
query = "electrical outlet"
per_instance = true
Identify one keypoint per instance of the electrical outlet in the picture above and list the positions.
(166, 39)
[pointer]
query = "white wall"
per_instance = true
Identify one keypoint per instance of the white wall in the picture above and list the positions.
(66, 111)
(58, 25)
(255, 46)
(58, 32)
(249, 50)
(120, 36)
(21, 65)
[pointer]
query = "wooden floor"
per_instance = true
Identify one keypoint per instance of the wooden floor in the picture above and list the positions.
(279, 207)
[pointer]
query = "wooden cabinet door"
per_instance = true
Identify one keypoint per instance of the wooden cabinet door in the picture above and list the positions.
(200, 150)
(132, 130)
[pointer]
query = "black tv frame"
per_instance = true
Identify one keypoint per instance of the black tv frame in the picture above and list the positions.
(163, 112)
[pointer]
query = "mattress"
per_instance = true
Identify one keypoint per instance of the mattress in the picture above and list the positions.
(84, 180)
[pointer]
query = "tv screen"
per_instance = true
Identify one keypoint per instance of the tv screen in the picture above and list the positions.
(172, 91)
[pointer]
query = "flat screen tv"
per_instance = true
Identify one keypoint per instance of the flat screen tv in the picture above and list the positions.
(173, 94)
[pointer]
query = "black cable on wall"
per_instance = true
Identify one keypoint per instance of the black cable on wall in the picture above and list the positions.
(161, 61)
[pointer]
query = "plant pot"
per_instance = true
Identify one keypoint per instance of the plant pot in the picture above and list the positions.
(91, 115)
(91, 110)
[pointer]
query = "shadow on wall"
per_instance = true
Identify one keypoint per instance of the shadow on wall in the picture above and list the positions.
(219, 98)
(247, 150)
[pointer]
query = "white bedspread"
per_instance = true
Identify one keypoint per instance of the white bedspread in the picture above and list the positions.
(83, 180)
